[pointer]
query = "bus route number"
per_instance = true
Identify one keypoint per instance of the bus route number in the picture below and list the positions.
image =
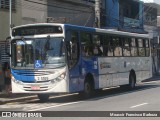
(42, 78)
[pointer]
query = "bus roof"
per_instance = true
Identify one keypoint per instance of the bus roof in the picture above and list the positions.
(88, 29)
(107, 31)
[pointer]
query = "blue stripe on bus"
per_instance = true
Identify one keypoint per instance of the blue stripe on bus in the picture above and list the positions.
(23, 75)
(75, 27)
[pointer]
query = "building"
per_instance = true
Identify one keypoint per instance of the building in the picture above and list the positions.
(33, 11)
(4, 15)
(151, 13)
(79, 12)
(23, 12)
(123, 15)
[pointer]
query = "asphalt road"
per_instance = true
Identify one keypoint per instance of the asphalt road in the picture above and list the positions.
(145, 97)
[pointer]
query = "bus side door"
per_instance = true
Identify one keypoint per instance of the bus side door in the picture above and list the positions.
(72, 46)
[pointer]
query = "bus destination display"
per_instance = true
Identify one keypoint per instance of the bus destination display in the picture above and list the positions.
(36, 30)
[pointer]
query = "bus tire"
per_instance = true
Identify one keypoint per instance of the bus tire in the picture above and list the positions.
(43, 97)
(132, 82)
(88, 89)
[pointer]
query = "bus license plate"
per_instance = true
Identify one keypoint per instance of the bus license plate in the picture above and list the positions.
(35, 87)
(42, 78)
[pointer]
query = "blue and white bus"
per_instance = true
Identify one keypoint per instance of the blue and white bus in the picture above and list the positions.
(61, 58)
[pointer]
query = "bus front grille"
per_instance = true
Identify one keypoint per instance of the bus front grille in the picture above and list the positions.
(34, 73)
(41, 88)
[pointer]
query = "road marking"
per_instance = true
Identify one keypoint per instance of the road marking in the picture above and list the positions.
(56, 106)
(139, 105)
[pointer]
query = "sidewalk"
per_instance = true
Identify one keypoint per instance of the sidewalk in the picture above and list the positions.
(154, 78)
(4, 98)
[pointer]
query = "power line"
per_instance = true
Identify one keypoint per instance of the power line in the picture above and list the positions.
(51, 5)
(60, 7)
(76, 14)
(31, 7)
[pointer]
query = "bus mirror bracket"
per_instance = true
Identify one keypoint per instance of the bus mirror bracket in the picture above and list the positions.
(8, 39)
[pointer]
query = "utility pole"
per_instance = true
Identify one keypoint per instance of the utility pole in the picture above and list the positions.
(10, 17)
(97, 13)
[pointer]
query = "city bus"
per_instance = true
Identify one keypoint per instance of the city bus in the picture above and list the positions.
(48, 58)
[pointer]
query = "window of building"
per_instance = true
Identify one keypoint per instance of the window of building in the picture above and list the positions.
(5, 4)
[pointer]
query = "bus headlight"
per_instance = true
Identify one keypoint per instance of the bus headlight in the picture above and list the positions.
(59, 78)
(17, 81)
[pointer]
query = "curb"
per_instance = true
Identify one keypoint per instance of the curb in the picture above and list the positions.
(152, 79)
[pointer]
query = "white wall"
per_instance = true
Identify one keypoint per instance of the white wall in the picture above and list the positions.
(33, 12)
(4, 20)
(76, 12)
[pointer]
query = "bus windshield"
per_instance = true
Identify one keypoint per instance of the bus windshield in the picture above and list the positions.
(38, 53)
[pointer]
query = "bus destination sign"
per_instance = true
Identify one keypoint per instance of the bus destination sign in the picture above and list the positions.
(36, 30)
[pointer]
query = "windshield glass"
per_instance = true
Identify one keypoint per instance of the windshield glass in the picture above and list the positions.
(38, 53)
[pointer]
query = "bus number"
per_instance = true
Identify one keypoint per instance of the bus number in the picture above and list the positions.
(42, 78)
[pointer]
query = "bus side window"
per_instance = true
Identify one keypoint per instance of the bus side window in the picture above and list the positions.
(97, 45)
(117, 46)
(72, 48)
(134, 51)
(86, 44)
(141, 49)
(110, 46)
(146, 42)
(126, 46)
(104, 43)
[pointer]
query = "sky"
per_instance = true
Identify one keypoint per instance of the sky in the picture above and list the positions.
(155, 1)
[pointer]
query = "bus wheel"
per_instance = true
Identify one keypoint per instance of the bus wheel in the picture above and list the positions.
(88, 89)
(132, 82)
(43, 97)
